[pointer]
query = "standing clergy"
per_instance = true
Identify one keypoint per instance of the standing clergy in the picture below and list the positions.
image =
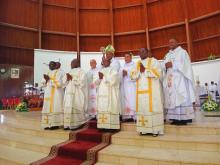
(128, 89)
(149, 104)
(92, 88)
(109, 52)
(213, 90)
(52, 112)
(179, 89)
(76, 97)
(108, 101)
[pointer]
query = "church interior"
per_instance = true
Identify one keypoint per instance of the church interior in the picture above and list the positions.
(152, 99)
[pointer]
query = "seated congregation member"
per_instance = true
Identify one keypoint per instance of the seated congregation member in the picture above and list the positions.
(179, 88)
(52, 112)
(108, 101)
(128, 90)
(92, 88)
(76, 97)
(149, 103)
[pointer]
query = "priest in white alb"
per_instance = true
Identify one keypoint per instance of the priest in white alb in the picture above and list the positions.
(52, 112)
(92, 111)
(178, 83)
(76, 97)
(149, 99)
(128, 89)
(108, 101)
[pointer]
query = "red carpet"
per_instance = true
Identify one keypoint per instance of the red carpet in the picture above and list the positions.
(81, 148)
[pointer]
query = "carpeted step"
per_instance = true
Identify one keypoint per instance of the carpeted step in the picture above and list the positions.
(93, 124)
(77, 149)
(92, 135)
(63, 160)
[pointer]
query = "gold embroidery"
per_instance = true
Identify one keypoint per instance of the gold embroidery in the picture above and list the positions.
(149, 91)
(103, 118)
(142, 121)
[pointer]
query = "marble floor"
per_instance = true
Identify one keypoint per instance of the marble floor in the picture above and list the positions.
(23, 141)
(194, 144)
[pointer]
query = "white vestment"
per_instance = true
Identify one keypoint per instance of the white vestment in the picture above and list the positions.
(92, 111)
(149, 103)
(115, 64)
(128, 92)
(179, 89)
(75, 99)
(213, 91)
(198, 93)
(108, 100)
(52, 112)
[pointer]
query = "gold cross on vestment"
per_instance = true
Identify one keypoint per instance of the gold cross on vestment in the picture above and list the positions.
(142, 121)
(46, 119)
(103, 118)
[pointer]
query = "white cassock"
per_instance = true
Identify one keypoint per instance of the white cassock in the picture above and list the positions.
(149, 103)
(212, 91)
(108, 100)
(92, 111)
(128, 92)
(75, 99)
(52, 112)
(198, 93)
(178, 83)
(115, 64)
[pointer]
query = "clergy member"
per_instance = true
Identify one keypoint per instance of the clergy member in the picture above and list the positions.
(213, 90)
(179, 89)
(149, 103)
(108, 101)
(92, 88)
(109, 52)
(128, 90)
(52, 112)
(76, 97)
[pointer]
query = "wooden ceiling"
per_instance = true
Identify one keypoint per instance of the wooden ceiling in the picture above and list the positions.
(86, 25)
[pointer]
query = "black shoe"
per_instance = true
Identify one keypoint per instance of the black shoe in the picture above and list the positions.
(54, 128)
(66, 129)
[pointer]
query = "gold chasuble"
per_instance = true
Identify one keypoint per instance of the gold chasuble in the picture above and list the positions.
(149, 105)
(108, 102)
(52, 112)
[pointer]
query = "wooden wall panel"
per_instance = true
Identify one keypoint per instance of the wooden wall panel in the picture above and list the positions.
(14, 87)
(205, 28)
(16, 56)
(119, 3)
(93, 44)
(128, 19)
(17, 37)
(19, 12)
(165, 12)
(69, 3)
(203, 49)
(130, 42)
(198, 8)
(94, 22)
(93, 4)
(161, 37)
(59, 19)
(58, 42)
